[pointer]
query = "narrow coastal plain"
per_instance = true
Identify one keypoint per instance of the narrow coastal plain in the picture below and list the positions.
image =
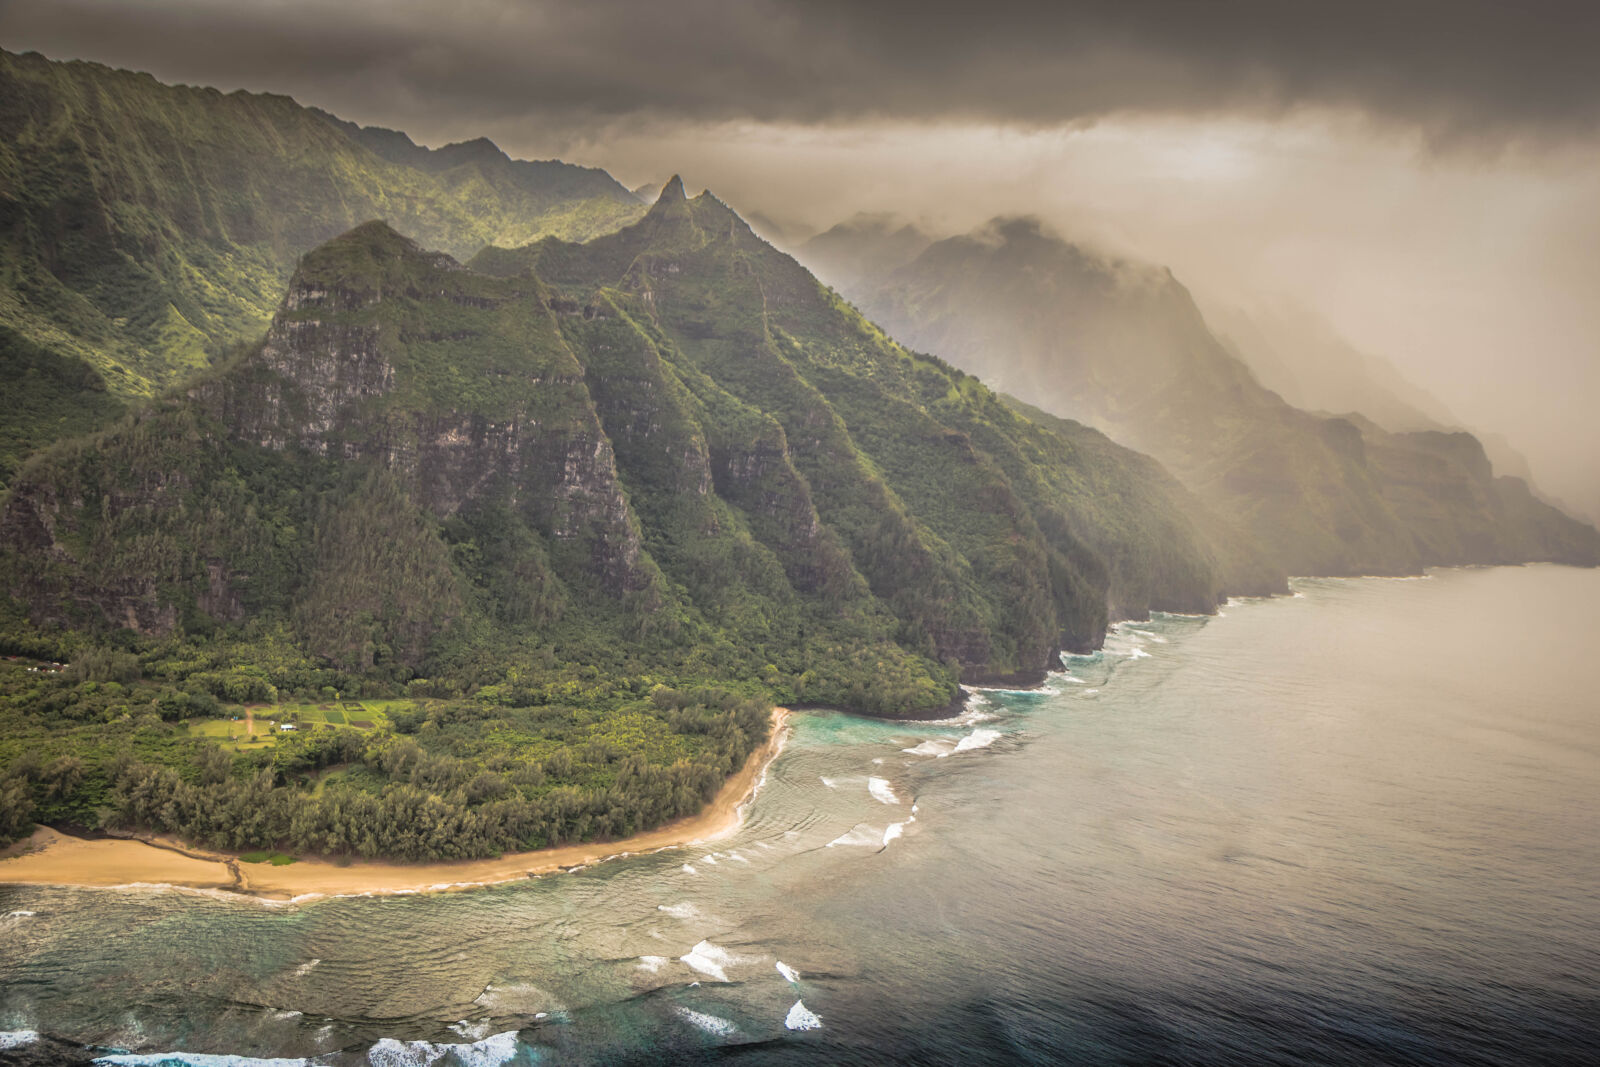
(51, 857)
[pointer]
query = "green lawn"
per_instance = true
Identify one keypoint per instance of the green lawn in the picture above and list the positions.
(344, 713)
(230, 732)
(277, 859)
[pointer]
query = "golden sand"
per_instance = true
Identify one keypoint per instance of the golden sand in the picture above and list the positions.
(53, 858)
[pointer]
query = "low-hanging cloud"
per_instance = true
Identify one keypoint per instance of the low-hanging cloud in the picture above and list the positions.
(1455, 68)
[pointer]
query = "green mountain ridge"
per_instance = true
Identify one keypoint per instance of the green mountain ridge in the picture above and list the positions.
(146, 228)
(589, 507)
(543, 388)
(1123, 347)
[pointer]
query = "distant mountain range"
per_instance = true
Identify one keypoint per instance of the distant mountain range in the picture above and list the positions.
(1123, 347)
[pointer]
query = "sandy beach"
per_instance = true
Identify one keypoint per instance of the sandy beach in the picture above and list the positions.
(50, 857)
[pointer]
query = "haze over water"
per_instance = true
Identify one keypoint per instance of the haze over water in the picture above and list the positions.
(1356, 825)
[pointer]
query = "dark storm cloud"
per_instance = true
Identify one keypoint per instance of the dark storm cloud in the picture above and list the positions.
(1462, 67)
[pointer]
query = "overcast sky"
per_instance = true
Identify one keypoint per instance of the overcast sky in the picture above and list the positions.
(1425, 175)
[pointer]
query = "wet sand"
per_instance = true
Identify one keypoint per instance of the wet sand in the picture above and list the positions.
(50, 857)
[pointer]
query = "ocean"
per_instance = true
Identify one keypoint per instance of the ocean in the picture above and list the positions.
(1360, 825)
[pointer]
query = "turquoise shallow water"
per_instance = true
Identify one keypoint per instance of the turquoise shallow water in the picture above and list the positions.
(1356, 825)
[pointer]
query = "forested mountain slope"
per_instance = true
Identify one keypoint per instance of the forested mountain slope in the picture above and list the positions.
(145, 228)
(552, 497)
(672, 433)
(1123, 347)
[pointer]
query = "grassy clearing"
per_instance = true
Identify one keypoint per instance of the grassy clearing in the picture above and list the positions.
(234, 734)
(346, 713)
(277, 859)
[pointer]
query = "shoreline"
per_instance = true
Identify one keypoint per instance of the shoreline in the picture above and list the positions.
(50, 857)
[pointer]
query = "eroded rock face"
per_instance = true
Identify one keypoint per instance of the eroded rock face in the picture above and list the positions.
(384, 365)
(392, 372)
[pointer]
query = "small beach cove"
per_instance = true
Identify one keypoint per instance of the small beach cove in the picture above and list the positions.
(51, 857)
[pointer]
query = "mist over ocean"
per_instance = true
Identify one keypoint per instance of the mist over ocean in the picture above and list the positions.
(1357, 825)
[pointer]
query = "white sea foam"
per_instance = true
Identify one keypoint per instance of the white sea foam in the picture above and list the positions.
(788, 972)
(490, 1052)
(738, 858)
(979, 738)
(652, 964)
(1073, 678)
(711, 960)
(802, 1018)
(882, 791)
(763, 844)
(1137, 653)
(940, 747)
(877, 759)
(203, 1059)
(283, 1016)
(472, 1031)
(17, 1038)
(861, 834)
(20, 914)
(1038, 690)
(972, 712)
(830, 783)
(1090, 692)
(680, 911)
(894, 830)
(689, 870)
(305, 968)
(711, 1024)
(711, 859)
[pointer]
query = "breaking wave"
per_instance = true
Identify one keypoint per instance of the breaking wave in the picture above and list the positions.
(711, 1024)
(802, 1018)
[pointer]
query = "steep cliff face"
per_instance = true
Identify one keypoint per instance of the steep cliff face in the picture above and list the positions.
(1123, 347)
(457, 384)
(669, 446)
(415, 392)
(938, 493)
(146, 228)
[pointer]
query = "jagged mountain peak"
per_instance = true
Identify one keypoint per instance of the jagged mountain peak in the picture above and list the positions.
(672, 192)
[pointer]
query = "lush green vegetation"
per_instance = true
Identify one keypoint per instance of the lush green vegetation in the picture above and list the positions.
(48, 396)
(150, 227)
(105, 744)
(534, 505)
